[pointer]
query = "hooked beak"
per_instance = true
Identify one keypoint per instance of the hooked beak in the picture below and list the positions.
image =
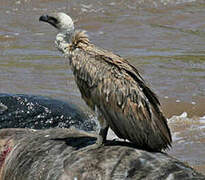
(49, 19)
(44, 18)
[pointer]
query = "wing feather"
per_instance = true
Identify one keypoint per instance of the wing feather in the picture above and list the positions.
(129, 106)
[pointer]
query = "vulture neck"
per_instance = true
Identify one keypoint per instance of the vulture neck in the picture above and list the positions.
(65, 36)
(74, 39)
(63, 39)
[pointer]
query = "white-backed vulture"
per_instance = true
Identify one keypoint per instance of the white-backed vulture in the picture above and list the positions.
(114, 87)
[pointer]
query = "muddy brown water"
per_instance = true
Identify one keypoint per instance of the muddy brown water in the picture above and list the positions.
(164, 39)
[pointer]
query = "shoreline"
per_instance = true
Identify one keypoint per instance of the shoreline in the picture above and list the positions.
(173, 107)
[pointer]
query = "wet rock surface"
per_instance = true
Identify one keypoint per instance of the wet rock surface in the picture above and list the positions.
(38, 112)
(61, 154)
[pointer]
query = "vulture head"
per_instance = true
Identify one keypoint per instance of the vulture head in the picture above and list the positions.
(60, 21)
(64, 24)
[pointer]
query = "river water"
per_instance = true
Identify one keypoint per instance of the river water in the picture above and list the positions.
(164, 39)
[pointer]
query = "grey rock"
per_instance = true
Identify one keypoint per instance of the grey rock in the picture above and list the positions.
(61, 154)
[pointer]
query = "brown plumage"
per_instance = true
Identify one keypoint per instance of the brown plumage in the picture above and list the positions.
(115, 88)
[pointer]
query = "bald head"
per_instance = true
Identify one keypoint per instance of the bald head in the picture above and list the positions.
(60, 21)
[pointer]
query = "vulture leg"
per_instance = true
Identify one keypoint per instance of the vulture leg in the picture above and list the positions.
(103, 129)
(101, 137)
(103, 134)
